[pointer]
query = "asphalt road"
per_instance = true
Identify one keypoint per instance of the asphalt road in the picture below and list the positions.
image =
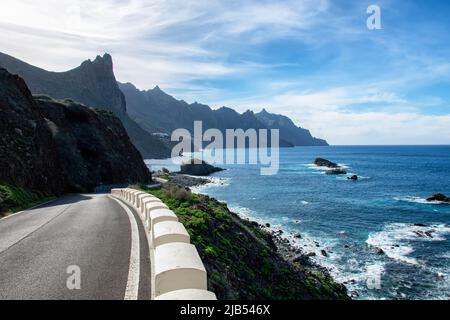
(78, 247)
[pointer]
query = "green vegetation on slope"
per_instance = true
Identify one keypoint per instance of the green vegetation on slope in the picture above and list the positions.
(14, 199)
(241, 258)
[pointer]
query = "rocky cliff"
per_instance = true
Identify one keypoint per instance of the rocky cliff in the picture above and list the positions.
(61, 146)
(28, 152)
(93, 83)
(289, 132)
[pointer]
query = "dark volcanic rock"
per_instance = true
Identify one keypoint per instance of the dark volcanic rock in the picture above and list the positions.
(439, 197)
(336, 172)
(325, 163)
(56, 147)
(354, 177)
(420, 225)
(28, 153)
(93, 146)
(188, 181)
(200, 169)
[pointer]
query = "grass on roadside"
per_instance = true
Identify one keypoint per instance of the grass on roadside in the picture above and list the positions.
(13, 199)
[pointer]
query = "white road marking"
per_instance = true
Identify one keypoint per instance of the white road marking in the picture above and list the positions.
(132, 289)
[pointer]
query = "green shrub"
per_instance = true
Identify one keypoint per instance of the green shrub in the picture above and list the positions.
(14, 199)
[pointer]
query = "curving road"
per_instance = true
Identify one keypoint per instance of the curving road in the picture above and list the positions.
(41, 250)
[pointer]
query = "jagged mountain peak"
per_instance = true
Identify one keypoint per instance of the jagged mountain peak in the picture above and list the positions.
(105, 59)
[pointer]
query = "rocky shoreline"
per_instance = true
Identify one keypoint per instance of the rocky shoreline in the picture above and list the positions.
(294, 255)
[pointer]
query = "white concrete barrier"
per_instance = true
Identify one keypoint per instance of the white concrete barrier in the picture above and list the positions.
(146, 200)
(134, 197)
(161, 215)
(178, 266)
(179, 273)
(151, 206)
(142, 196)
(188, 294)
(169, 231)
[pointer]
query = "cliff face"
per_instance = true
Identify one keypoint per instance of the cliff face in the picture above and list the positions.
(61, 146)
(93, 83)
(93, 145)
(28, 153)
(289, 132)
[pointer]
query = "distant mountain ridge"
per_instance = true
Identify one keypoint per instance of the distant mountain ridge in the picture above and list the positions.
(142, 106)
(93, 83)
(144, 113)
(289, 132)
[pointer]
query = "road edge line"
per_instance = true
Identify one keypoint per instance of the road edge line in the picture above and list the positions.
(132, 288)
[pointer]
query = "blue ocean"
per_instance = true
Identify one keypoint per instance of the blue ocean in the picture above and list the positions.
(352, 220)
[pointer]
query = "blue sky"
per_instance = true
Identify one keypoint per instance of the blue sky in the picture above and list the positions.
(313, 60)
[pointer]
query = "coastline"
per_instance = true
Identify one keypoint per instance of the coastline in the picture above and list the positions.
(295, 256)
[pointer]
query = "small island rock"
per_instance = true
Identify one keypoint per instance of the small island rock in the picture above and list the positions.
(439, 197)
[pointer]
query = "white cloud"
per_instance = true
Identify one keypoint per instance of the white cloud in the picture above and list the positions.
(184, 46)
(343, 115)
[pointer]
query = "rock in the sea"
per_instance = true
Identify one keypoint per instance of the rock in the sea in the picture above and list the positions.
(379, 251)
(424, 234)
(198, 168)
(325, 163)
(354, 177)
(324, 253)
(188, 181)
(298, 236)
(420, 225)
(439, 197)
(336, 172)
(267, 225)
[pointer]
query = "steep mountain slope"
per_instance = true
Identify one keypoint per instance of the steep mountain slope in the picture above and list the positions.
(61, 146)
(28, 154)
(172, 113)
(92, 83)
(142, 106)
(288, 130)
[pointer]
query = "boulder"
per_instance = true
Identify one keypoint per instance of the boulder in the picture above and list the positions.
(320, 162)
(336, 172)
(198, 168)
(354, 177)
(439, 197)
(324, 253)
